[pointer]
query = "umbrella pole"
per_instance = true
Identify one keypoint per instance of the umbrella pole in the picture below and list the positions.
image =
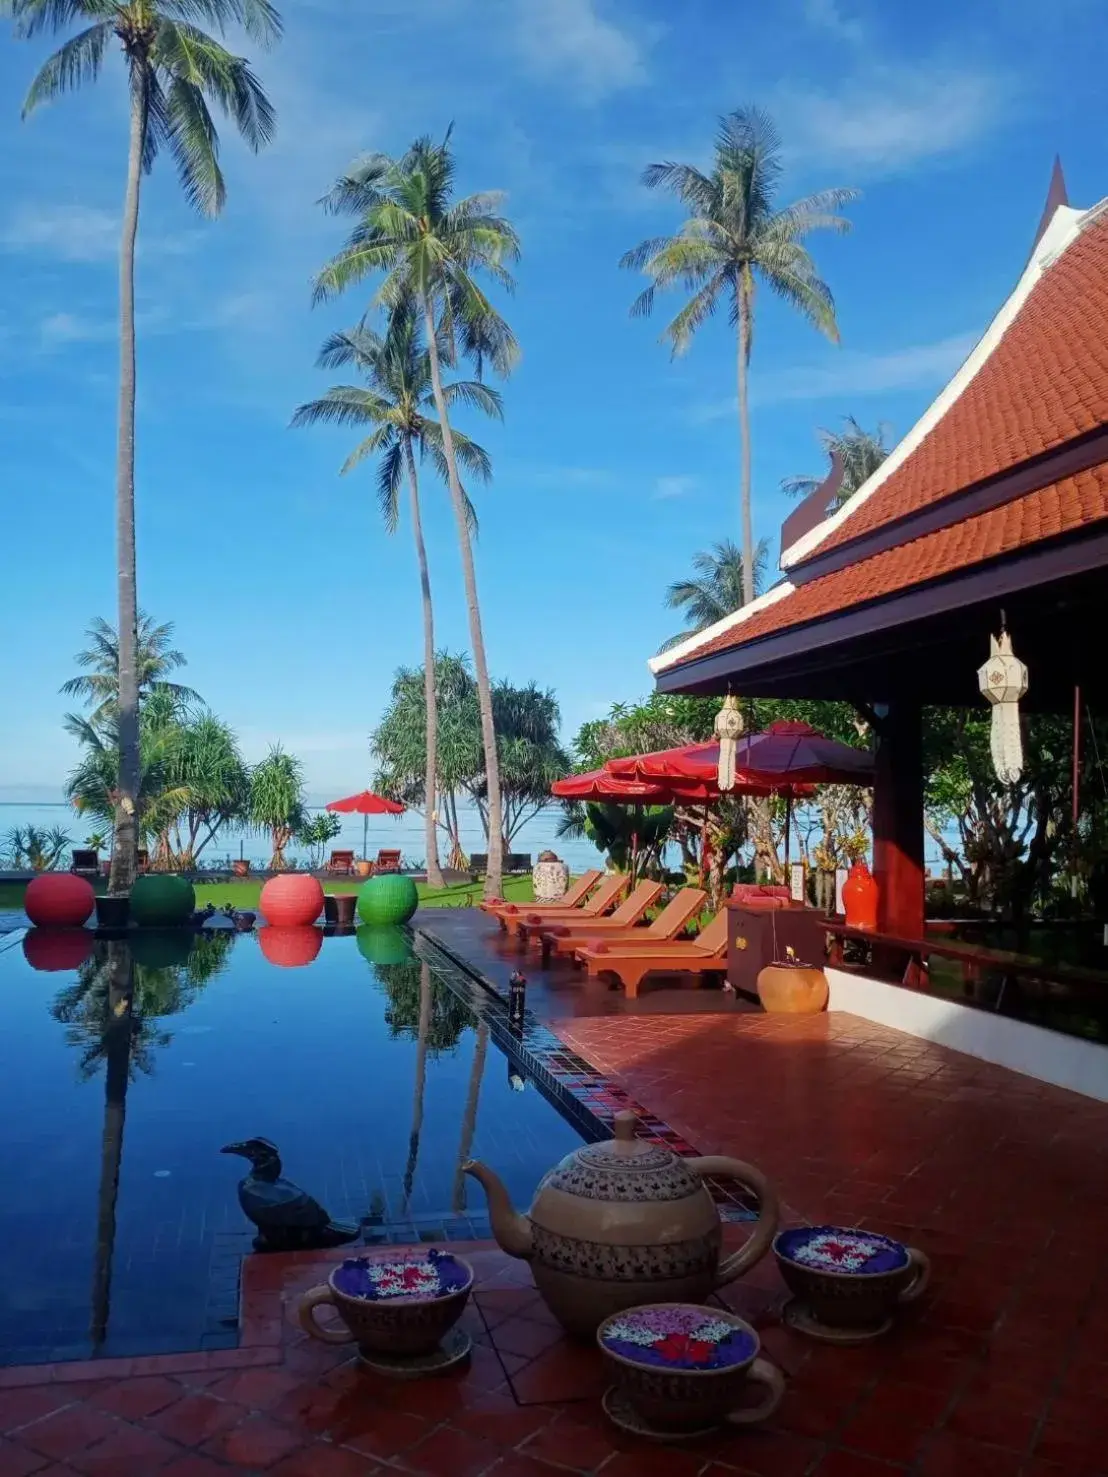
(365, 837)
(788, 827)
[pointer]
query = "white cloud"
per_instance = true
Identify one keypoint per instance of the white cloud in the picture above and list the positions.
(667, 488)
(829, 16)
(886, 120)
(79, 233)
(850, 376)
(569, 41)
(73, 328)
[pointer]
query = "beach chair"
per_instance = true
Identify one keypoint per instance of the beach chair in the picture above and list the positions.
(341, 861)
(388, 860)
(629, 912)
(574, 895)
(631, 962)
(607, 893)
(567, 938)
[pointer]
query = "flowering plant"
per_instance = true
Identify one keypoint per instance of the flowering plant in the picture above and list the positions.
(678, 1338)
(418, 1276)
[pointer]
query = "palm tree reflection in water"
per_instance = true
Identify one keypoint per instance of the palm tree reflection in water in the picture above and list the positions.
(109, 1014)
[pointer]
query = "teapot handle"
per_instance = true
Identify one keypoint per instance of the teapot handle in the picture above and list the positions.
(765, 1228)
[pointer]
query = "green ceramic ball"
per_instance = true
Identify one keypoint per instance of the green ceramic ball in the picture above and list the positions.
(388, 899)
(159, 901)
(384, 945)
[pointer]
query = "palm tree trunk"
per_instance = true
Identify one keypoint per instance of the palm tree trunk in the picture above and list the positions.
(469, 1116)
(118, 1056)
(420, 1080)
(434, 874)
(745, 306)
(481, 670)
(124, 853)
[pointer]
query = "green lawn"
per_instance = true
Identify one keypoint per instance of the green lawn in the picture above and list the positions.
(245, 894)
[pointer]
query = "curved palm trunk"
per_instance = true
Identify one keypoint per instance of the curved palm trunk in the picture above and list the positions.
(420, 1080)
(118, 1057)
(480, 665)
(124, 852)
(469, 1115)
(745, 309)
(430, 783)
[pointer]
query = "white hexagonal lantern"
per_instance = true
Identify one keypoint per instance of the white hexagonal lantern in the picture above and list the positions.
(1003, 680)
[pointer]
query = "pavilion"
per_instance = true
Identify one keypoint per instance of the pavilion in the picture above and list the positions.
(993, 508)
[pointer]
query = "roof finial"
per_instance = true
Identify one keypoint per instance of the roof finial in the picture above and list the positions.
(1056, 195)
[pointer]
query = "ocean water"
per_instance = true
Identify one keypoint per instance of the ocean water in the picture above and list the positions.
(405, 831)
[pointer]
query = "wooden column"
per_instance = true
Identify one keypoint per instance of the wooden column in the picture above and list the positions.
(898, 821)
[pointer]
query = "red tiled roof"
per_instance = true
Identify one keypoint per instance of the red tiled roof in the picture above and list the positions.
(1040, 515)
(1044, 383)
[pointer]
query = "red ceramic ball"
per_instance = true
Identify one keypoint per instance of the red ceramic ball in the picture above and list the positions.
(54, 949)
(290, 948)
(292, 900)
(59, 900)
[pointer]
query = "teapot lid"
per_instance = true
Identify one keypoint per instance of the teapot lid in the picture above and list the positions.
(624, 1168)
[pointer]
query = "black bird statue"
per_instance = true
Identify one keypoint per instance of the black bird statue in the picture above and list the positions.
(287, 1217)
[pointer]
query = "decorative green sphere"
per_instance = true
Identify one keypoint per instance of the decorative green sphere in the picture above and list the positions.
(159, 900)
(384, 945)
(387, 899)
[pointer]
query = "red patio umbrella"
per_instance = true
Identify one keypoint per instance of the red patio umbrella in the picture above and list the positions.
(366, 803)
(600, 784)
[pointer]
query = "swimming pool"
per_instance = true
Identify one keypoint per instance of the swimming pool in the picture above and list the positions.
(124, 1074)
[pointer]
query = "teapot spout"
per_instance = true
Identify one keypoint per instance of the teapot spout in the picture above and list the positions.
(512, 1230)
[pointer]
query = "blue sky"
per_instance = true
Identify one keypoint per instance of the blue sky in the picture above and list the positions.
(614, 465)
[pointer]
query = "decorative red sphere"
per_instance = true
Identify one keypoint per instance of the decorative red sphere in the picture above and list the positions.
(291, 900)
(290, 948)
(59, 900)
(54, 949)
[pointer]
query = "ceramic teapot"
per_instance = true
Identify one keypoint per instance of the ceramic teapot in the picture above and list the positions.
(626, 1222)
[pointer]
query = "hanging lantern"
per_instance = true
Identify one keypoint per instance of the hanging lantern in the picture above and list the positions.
(728, 727)
(1003, 680)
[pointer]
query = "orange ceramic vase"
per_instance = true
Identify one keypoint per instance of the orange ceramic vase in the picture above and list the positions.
(860, 898)
(792, 989)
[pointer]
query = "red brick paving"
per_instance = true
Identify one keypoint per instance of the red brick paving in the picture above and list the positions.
(999, 1372)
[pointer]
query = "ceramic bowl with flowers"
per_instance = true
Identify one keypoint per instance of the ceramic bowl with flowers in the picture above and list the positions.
(684, 1367)
(392, 1303)
(849, 1278)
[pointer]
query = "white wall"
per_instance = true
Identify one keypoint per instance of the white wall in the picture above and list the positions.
(1048, 1056)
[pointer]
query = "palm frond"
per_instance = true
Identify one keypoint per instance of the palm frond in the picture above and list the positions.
(390, 472)
(189, 55)
(260, 19)
(195, 146)
(477, 396)
(343, 405)
(33, 17)
(76, 62)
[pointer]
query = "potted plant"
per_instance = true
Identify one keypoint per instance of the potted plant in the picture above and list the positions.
(790, 987)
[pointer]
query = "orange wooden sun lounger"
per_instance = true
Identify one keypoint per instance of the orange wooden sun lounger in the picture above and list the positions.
(631, 962)
(607, 894)
(572, 898)
(567, 938)
(625, 916)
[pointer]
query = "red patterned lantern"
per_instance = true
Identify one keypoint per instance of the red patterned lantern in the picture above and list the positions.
(59, 900)
(54, 949)
(292, 900)
(860, 898)
(290, 948)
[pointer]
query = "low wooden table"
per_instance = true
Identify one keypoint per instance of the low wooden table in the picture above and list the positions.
(759, 934)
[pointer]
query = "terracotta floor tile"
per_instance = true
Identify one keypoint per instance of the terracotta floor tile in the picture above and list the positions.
(130, 1452)
(498, 1417)
(325, 1461)
(1000, 1415)
(1072, 1445)
(764, 1453)
(17, 1460)
(891, 1436)
(256, 1389)
(192, 1464)
(525, 1336)
(450, 1453)
(22, 1406)
(515, 1465)
(135, 1398)
(572, 1443)
(68, 1432)
(561, 1374)
(195, 1419)
(949, 1455)
(853, 1464)
(377, 1431)
(257, 1442)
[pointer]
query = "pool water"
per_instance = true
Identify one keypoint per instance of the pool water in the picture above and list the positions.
(120, 1227)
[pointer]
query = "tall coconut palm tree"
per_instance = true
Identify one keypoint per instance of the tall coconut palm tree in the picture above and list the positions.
(430, 248)
(735, 236)
(174, 72)
(398, 404)
(98, 683)
(717, 587)
(277, 801)
(861, 453)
